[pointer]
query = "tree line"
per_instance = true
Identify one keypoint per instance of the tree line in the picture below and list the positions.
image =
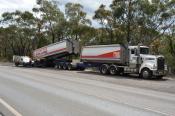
(150, 22)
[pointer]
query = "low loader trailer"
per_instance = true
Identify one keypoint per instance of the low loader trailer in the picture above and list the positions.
(108, 59)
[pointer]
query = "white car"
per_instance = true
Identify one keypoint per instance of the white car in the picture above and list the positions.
(22, 60)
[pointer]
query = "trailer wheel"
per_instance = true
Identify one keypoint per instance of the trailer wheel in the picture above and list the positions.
(113, 70)
(69, 67)
(146, 73)
(82, 69)
(59, 66)
(56, 66)
(104, 69)
(64, 66)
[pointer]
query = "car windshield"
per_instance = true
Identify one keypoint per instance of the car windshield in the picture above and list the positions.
(144, 50)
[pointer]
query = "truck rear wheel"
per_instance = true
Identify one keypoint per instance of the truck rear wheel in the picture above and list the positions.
(104, 69)
(113, 70)
(146, 73)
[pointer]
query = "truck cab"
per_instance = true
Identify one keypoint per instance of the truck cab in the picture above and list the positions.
(146, 64)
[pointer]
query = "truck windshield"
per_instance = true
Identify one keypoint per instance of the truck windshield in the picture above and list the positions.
(144, 50)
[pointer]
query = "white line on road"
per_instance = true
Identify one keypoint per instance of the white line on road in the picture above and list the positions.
(10, 108)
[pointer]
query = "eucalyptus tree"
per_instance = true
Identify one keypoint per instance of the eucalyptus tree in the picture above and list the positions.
(143, 21)
(76, 19)
(19, 31)
(50, 17)
(105, 18)
(136, 20)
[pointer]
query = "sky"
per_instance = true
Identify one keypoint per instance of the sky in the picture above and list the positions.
(89, 6)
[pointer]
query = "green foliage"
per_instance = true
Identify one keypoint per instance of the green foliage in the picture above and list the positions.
(50, 17)
(169, 51)
(76, 21)
(17, 36)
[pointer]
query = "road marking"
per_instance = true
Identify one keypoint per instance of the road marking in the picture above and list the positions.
(10, 108)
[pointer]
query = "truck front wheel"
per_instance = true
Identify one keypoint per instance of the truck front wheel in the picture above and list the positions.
(16, 64)
(146, 73)
(159, 77)
(104, 69)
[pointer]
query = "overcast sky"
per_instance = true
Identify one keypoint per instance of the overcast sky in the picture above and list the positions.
(89, 5)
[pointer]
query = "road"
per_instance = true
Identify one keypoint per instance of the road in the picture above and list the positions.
(49, 92)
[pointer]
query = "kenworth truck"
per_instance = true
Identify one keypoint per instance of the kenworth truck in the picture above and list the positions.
(120, 59)
(108, 59)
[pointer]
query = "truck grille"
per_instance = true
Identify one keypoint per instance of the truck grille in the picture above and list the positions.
(160, 63)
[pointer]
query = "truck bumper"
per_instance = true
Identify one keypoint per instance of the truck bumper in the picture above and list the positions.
(159, 72)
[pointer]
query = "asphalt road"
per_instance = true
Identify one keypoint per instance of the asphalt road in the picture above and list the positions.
(49, 92)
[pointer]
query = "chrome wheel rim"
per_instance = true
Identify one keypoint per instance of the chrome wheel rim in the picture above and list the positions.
(103, 70)
(113, 71)
(145, 74)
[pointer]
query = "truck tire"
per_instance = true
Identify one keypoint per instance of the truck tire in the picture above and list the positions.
(24, 65)
(81, 68)
(69, 67)
(56, 66)
(113, 70)
(159, 77)
(146, 73)
(64, 66)
(104, 69)
(59, 66)
(16, 64)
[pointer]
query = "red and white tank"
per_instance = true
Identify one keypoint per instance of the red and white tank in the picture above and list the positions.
(65, 47)
(104, 53)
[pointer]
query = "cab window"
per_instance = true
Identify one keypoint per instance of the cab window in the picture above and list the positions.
(144, 50)
(132, 51)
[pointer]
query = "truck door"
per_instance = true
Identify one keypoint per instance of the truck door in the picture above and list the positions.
(132, 59)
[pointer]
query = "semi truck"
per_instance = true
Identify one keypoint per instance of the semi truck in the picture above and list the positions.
(123, 59)
(108, 59)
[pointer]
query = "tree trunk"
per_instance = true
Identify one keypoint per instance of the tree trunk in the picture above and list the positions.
(129, 22)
